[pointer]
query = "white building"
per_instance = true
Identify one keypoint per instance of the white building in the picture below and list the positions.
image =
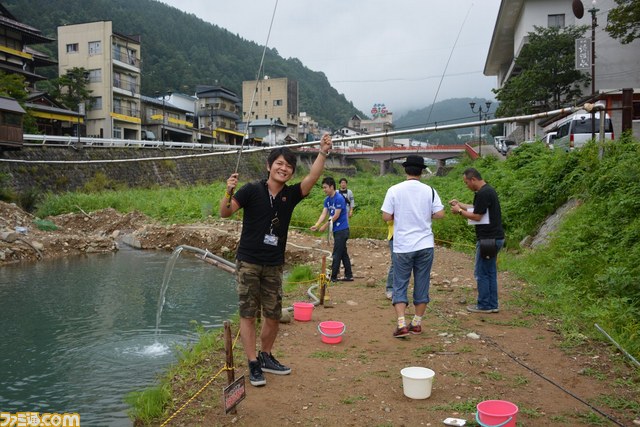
(113, 63)
(617, 66)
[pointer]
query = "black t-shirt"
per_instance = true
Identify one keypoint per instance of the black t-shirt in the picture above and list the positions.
(259, 211)
(487, 199)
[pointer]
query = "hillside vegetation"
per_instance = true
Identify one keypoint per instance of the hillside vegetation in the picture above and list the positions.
(587, 274)
(180, 50)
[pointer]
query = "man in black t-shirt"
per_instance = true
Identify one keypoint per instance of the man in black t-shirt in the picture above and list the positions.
(489, 238)
(268, 206)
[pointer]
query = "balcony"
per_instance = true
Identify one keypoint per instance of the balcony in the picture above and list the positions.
(125, 60)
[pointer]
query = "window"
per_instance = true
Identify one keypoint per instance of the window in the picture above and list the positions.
(555, 21)
(95, 76)
(117, 133)
(95, 48)
(72, 48)
(95, 103)
(277, 102)
(636, 110)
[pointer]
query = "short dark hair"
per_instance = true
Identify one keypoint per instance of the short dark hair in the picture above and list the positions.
(472, 173)
(413, 170)
(285, 152)
(329, 181)
(343, 179)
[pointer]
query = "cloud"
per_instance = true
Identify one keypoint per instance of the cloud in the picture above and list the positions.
(399, 53)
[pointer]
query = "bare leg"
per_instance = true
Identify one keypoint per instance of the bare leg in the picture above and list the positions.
(420, 309)
(248, 336)
(400, 309)
(268, 334)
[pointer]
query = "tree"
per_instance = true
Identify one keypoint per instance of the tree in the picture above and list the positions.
(71, 88)
(548, 78)
(624, 21)
(13, 86)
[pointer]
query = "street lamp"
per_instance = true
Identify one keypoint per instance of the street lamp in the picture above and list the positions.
(594, 24)
(163, 115)
(480, 112)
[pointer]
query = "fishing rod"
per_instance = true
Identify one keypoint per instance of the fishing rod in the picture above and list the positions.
(412, 131)
(253, 95)
(435, 128)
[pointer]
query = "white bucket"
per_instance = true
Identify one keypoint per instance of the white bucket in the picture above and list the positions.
(417, 382)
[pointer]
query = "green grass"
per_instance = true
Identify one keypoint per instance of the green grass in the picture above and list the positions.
(586, 274)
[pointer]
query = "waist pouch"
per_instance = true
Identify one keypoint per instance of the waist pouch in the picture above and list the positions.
(488, 248)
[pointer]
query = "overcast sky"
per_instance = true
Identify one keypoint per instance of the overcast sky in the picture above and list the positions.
(376, 52)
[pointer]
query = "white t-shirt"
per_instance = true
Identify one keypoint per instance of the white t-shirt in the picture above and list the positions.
(412, 203)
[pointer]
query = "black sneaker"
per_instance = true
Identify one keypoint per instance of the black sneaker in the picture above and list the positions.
(269, 364)
(256, 377)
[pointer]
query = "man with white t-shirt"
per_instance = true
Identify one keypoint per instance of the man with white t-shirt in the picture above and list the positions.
(412, 205)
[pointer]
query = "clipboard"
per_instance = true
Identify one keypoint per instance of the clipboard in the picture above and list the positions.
(483, 221)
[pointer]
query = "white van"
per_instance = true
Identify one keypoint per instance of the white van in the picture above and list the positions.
(575, 130)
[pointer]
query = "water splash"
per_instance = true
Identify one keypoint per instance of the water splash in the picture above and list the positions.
(168, 271)
(154, 350)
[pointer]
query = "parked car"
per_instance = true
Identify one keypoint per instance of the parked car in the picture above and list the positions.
(506, 145)
(549, 138)
(575, 130)
(497, 141)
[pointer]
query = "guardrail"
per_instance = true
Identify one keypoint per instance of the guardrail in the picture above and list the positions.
(75, 142)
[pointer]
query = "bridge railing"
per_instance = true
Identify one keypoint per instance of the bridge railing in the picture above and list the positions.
(74, 141)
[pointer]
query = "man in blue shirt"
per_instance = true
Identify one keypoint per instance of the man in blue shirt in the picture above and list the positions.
(336, 209)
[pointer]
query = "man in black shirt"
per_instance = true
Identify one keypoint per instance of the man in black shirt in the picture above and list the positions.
(268, 206)
(489, 238)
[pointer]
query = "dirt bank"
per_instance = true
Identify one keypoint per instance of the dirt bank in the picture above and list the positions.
(513, 355)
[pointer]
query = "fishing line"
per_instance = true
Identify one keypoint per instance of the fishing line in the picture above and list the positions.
(253, 97)
(447, 64)
(258, 75)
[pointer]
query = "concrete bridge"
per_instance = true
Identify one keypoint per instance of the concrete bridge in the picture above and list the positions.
(386, 155)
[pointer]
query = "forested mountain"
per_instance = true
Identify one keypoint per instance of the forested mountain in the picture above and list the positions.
(447, 112)
(180, 50)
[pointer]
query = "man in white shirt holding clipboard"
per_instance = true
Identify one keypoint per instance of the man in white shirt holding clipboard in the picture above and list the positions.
(486, 216)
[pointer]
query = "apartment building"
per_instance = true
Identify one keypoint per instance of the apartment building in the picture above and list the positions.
(616, 67)
(113, 64)
(164, 119)
(271, 99)
(218, 112)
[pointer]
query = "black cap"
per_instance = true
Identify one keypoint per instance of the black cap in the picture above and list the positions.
(414, 161)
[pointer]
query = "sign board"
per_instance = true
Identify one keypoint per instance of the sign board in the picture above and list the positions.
(233, 394)
(583, 54)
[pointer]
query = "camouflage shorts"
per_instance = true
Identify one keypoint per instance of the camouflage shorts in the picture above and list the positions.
(259, 286)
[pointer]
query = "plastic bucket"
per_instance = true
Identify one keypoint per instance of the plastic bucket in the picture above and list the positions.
(302, 311)
(496, 413)
(331, 331)
(417, 382)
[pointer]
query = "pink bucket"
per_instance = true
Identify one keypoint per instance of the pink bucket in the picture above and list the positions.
(331, 331)
(302, 311)
(496, 413)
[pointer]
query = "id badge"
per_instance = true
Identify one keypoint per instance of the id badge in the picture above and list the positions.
(271, 239)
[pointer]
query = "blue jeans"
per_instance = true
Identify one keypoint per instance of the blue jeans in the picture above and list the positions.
(486, 274)
(340, 254)
(390, 274)
(403, 264)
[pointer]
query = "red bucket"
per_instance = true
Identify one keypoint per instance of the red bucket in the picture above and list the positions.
(331, 331)
(496, 413)
(302, 311)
